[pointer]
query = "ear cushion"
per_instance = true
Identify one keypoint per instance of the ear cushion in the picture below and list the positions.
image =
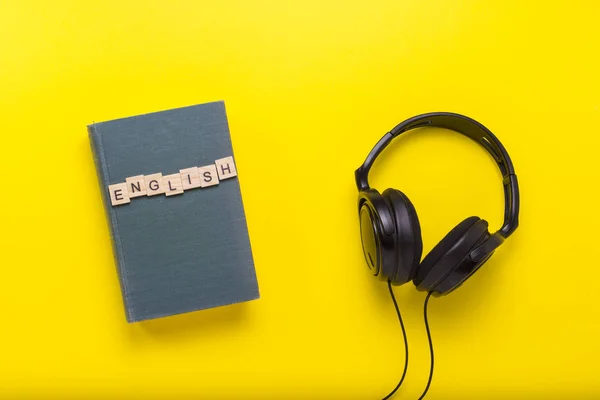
(449, 252)
(409, 245)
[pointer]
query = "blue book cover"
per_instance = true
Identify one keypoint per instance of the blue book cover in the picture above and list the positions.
(171, 191)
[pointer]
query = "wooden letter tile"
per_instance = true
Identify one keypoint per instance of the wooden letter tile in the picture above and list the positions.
(136, 186)
(225, 168)
(118, 194)
(190, 178)
(208, 175)
(172, 184)
(154, 184)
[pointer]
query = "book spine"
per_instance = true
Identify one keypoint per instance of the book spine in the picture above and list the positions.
(103, 178)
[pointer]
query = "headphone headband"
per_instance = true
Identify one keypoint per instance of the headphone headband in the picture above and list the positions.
(472, 129)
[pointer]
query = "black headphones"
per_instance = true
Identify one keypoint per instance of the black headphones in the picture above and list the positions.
(390, 229)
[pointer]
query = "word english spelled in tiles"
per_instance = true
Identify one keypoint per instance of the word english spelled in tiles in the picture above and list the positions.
(172, 184)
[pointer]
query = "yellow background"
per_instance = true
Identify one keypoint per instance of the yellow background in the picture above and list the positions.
(309, 87)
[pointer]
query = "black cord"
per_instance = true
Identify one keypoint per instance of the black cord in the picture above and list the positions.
(430, 345)
(405, 342)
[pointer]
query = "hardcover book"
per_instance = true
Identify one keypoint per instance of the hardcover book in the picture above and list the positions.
(170, 188)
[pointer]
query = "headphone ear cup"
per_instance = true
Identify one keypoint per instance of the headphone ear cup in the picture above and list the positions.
(409, 244)
(450, 253)
(378, 234)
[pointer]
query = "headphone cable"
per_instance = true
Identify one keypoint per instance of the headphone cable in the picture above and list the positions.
(430, 345)
(405, 342)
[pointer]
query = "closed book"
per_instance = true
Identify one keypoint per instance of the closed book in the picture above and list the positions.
(170, 187)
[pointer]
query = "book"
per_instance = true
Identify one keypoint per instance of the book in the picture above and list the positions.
(171, 192)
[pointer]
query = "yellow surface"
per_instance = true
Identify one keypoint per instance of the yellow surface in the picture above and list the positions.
(309, 88)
